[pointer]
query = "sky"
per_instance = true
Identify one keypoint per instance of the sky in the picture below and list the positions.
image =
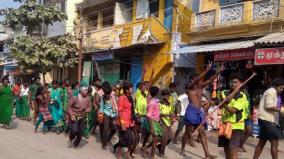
(8, 4)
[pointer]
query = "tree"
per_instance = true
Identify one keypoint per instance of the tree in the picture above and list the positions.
(34, 51)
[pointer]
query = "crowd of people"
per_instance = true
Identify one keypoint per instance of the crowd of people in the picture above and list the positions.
(146, 115)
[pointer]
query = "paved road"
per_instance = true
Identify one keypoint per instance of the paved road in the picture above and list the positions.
(23, 143)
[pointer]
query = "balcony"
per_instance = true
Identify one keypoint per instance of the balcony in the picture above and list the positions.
(236, 14)
(264, 10)
(244, 19)
(232, 14)
(143, 31)
(205, 20)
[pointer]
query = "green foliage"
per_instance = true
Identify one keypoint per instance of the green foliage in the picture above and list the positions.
(35, 52)
(32, 15)
(42, 54)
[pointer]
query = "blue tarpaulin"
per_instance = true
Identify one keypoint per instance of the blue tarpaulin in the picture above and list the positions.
(136, 71)
(168, 14)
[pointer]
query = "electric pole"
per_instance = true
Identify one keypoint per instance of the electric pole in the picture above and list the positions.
(80, 52)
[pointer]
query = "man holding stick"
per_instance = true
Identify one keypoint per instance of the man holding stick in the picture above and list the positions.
(233, 117)
(195, 115)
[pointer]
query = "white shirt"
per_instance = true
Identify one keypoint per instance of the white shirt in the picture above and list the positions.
(24, 92)
(268, 100)
(183, 103)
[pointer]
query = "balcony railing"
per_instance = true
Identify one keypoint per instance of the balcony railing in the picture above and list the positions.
(149, 30)
(232, 14)
(266, 9)
(205, 19)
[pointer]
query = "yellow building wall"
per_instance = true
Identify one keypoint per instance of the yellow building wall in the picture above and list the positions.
(182, 19)
(161, 60)
(160, 57)
(218, 29)
(248, 27)
(71, 13)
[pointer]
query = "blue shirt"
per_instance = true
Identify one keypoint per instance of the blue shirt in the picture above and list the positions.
(106, 108)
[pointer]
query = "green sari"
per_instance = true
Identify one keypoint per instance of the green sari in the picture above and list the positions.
(56, 107)
(6, 102)
(19, 110)
(22, 107)
(64, 98)
(25, 107)
(89, 121)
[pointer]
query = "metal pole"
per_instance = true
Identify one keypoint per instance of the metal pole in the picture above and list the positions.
(80, 48)
(80, 59)
(174, 54)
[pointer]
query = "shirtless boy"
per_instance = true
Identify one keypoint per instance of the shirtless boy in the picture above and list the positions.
(194, 113)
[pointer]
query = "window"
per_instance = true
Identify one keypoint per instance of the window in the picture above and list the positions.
(108, 18)
(127, 3)
(154, 7)
(92, 22)
(195, 6)
(63, 6)
(123, 11)
(228, 2)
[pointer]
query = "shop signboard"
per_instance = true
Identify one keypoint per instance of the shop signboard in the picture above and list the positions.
(269, 56)
(102, 56)
(233, 55)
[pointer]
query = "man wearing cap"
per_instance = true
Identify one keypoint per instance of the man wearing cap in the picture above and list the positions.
(78, 107)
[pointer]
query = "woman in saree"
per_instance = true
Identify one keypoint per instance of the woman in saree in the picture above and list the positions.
(65, 94)
(55, 107)
(6, 100)
(17, 91)
(24, 105)
(42, 101)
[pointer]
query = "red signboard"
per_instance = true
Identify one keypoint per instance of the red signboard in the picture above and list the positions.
(269, 56)
(233, 55)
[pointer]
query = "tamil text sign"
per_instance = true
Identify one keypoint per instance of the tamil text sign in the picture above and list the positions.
(269, 56)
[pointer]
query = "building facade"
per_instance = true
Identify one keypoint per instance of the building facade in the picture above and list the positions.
(8, 65)
(62, 28)
(227, 32)
(121, 37)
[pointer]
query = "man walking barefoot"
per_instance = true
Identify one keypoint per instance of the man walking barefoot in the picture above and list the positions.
(194, 113)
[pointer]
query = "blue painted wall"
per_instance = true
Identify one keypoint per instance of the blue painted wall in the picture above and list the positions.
(168, 14)
(136, 71)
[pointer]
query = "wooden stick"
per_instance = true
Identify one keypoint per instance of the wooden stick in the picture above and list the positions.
(226, 99)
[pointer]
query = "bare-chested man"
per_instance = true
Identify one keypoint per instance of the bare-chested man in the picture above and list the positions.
(194, 113)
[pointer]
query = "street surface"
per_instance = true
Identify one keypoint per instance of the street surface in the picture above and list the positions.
(22, 143)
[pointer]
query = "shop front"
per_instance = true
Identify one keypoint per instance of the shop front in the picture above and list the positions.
(236, 56)
(272, 59)
(104, 67)
(124, 63)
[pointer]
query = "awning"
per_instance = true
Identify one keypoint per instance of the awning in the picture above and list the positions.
(216, 47)
(185, 60)
(274, 38)
(137, 45)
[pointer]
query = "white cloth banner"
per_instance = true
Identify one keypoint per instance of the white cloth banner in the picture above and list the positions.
(122, 14)
(117, 33)
(136, 32)
(143, 10)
